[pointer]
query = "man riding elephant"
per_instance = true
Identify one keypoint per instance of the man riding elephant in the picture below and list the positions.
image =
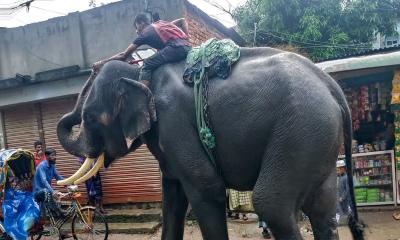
(170, 41)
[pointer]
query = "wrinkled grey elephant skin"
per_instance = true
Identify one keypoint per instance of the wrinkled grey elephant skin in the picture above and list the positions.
(278, 120)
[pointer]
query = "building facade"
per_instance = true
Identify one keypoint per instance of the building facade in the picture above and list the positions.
(44, 65)
(383, 41)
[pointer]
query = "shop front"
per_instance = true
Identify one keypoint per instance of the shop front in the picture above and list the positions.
(371, 85)
(30, 112)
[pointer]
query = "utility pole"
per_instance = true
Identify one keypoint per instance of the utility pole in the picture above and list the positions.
(255, 34)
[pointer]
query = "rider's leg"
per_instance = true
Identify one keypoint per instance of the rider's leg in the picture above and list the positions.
(168, 54)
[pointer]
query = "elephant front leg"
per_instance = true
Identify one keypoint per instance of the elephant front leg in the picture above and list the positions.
(203, 185)
(174, 210)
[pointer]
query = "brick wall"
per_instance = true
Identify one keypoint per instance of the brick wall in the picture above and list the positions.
(199, 31)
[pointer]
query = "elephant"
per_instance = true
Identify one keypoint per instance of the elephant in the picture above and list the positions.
(278, 121)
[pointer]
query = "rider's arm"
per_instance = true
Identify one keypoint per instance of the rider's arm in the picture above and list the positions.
(57, 176)
(122, 56)
(43, 179)
(182, 24)
(125, 54)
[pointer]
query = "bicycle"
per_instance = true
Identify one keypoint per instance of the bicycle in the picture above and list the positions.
(87, 221)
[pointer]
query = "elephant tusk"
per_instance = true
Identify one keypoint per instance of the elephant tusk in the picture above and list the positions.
(85, 166)
(128, 142)
(93, 171)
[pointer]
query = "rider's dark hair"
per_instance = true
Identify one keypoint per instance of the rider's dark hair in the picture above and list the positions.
(37, 143)
(142, 18)
(49, 151)
(155, 16)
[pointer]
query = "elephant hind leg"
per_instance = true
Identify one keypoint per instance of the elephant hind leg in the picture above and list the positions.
(279, 217)
(276, 204)
(320, 207)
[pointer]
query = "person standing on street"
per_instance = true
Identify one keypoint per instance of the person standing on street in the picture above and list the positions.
(343, 193)
(38, 153)
(94, 190)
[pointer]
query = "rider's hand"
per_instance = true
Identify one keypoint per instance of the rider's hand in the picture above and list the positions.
(97, 65)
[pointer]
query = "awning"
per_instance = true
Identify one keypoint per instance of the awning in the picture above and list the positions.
(363, 62)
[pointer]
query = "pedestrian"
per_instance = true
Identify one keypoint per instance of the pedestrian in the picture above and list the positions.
(94, 190)
(240, 202)
(170, 41)
(265, 233)
(343, 193)
(38, 153)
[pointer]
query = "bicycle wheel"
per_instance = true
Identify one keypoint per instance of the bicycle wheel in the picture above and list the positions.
(3, 234)
(91, 225)
(36, 237)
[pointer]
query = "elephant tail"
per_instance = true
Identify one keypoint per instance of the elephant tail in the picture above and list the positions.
(356, 227)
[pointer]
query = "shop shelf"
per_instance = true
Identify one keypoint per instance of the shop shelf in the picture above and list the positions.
(375, 175)
(368, 154)
(382, 157)
(373, 167)
(373, 185)
(375, 203)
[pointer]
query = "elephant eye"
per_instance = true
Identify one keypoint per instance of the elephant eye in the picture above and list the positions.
(89, 118)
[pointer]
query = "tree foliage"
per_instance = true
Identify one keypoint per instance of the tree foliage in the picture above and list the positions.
(319, 28)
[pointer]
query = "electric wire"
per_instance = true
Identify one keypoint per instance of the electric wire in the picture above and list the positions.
(308, 41)
(50, 11)
(315, 41)
(315, 44)
(41, 58)
(11, 3)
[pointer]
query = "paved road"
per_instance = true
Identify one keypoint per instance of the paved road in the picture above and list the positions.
(381, 226)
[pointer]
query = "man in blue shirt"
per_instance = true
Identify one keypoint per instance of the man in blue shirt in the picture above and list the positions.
(45, 172)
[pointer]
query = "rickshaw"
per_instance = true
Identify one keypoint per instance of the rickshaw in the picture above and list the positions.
(32, 215)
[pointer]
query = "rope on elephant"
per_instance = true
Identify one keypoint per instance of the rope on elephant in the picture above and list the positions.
(214, 57)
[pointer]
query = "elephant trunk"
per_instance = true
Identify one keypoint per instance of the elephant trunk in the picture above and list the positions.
(74, 144)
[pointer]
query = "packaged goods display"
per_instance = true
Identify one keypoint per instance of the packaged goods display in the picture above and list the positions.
(396, 109)
(372, 118)
(375, 114)
(395, 101)
(373, 178)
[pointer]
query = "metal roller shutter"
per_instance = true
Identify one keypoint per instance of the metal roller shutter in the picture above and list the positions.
(52, 111)
(21, 126)
(134, 178)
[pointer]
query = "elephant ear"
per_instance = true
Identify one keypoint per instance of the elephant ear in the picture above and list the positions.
(135, 108)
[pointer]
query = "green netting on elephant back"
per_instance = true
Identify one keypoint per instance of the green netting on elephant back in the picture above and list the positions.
(216, 55)
(212, 57)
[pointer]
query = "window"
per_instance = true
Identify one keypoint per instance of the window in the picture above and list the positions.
(2, 143)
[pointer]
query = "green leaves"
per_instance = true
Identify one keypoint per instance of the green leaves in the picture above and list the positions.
(318, 28)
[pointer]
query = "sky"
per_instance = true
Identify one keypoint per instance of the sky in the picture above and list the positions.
(42, 10)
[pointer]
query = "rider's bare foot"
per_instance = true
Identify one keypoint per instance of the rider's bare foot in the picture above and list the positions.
(145, 82)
